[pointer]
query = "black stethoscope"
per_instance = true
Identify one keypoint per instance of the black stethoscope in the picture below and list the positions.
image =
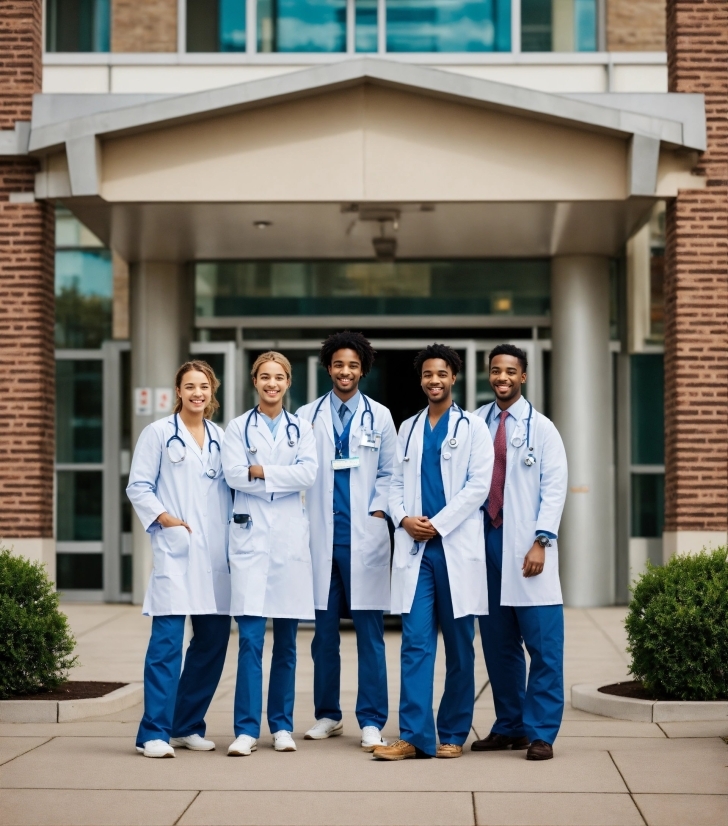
(211, 472)
(453, 441)
(289, 424)
(516, 440)
(367, 410)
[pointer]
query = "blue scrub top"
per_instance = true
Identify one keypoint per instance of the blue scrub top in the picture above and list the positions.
(433, 491)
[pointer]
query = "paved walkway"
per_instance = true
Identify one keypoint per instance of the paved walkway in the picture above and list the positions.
(605, 771)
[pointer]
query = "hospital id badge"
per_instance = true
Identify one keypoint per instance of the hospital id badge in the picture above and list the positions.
(372, 439)
(345, 464)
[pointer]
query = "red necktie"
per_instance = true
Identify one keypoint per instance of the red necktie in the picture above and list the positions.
(498, 483)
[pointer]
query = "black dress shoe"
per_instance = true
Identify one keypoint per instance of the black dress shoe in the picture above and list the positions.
(539, 750)
(500, 742)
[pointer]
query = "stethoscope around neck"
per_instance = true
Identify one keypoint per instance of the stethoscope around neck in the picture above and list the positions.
(289, 424)
(452, 441)
(366, 412)
(516, 440)
(211, 472)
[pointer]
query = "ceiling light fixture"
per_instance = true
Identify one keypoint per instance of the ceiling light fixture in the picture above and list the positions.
(384, 248)
(262, 224)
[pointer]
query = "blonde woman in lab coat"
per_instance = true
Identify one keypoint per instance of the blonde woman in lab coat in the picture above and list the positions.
(179, 493)
(269, 459)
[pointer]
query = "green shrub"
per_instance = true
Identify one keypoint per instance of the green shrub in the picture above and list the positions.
(36, 645)
(677, 626)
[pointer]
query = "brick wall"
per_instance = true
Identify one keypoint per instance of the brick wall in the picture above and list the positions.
(26, 358)
(144, 26)
(696, 289)
(636, 25)
(20, 58)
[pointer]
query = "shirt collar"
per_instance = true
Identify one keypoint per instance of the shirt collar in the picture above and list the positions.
(352, 404)
(515, 410)
(268, 418)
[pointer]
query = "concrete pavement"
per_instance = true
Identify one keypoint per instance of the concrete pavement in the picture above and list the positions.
(605, 771)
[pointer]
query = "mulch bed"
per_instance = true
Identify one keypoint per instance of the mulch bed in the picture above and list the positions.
(73, 690)
(632, 689)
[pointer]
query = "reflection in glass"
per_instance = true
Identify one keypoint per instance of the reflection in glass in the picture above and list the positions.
(448, 25)
(301, 25)
(79, 572)
(558, 25)
(366, 26)
(647, 385)
(77, 26)
(79, 506)
(215, 25)
(83, 297)
(505, 286)
(648, 504)
(79, 417)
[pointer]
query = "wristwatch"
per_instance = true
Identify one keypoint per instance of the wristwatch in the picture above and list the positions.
(543, 541)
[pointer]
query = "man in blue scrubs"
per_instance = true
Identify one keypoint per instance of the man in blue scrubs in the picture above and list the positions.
(524, 594)
(350, 544)
(447, 578)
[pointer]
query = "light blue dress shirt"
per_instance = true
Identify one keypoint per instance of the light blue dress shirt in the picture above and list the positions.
(350, 408)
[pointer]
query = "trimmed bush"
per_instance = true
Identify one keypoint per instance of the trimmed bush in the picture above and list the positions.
(36, 645)
(677, 628)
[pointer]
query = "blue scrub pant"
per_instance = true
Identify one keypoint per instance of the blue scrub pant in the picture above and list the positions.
(432, 605)
(174, 705)
(534, 710)
(372, 705)
(248, 707)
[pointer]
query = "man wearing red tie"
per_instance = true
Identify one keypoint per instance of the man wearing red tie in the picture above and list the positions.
(523, 512)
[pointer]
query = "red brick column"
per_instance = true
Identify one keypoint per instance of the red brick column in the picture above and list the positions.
(696, 293)
(26, 303)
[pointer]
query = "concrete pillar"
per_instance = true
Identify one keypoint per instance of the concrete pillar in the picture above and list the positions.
(162, 302)
(582, 407)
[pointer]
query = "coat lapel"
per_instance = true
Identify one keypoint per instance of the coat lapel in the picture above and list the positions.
(262, 433)
(324, 417)
(189, 440)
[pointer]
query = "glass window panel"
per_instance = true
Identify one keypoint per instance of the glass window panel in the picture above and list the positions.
(448, 25)
(217, 362)
(558, 25)
(78, 514)
(301, 25)
(82, 572)
(366, 26)
(71, 233)
(498, 287)
(648, 504)
(84, 285)
(77, 26)
(232, 25)
(79, 415)
(127, 571)
(203, 26)
(657, 273)
(647, 386)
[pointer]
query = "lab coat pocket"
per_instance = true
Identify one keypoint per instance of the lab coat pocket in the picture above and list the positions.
(376, 546)
(292, 537)
(470, 537)
(241, 540)
(173, 551)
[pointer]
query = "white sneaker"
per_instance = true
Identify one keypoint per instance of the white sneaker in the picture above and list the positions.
(193, 742)
(156, 748)
(371, 737)
(283, 741)
(243, 745)
(325, 728)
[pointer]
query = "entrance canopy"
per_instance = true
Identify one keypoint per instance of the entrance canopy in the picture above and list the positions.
(304, 165)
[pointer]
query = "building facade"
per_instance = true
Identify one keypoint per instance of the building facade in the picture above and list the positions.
(215, 177)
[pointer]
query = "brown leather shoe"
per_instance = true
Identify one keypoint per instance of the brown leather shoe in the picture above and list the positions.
(500, 742)
(539, 750)
(449, 750)
(398, 750)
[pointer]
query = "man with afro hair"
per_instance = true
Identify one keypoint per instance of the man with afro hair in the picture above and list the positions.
(350, 545)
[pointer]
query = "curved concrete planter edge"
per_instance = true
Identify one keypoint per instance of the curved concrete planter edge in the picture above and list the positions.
(589, 698)
(63, 711)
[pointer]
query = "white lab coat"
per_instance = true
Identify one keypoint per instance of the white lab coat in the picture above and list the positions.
(533, 499)
(369, 489)
(190, 572)
(466, 472)
(270, 563)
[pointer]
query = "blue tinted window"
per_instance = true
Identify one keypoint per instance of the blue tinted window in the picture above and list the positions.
(77, 26)
(366, 26)
(301, 25)
(79, 506)
(83, 297)
(232, 25)
(79, 415)
(448, 25)
(585, 25)
(647, 387)
(569, 26)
